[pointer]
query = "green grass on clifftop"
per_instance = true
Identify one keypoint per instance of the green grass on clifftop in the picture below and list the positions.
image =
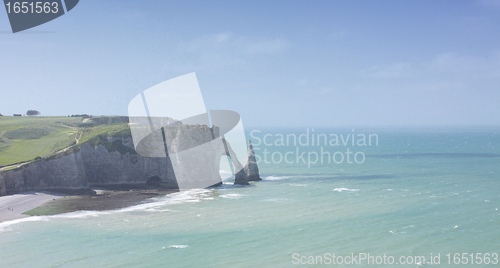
(28, 133)
(22, 139)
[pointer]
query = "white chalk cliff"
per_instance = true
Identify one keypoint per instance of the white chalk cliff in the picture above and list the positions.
(112, 160)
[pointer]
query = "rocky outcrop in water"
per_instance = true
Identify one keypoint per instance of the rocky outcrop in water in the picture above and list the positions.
(251, 169)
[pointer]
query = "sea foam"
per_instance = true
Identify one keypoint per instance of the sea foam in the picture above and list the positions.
(276, 178)
(345, 189)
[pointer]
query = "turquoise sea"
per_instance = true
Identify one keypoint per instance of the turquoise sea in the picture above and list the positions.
(419, 192)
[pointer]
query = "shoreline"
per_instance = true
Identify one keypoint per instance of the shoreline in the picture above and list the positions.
(12, 206)
(46, 203)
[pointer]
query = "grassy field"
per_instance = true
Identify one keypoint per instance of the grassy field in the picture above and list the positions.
(23, 139)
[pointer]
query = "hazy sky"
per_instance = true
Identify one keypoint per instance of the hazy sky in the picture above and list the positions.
(277, 63)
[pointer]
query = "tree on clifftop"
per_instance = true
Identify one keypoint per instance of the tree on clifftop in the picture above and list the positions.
(32, 112)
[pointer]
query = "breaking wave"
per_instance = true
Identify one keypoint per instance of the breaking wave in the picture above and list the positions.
(345, 189)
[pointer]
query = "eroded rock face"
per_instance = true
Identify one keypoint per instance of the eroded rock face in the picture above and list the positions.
(105, 167)
(195, 154)
(65, 172)
(2, 187)
(92, 165)
(97, 165)
(251, 169)
(240, 178)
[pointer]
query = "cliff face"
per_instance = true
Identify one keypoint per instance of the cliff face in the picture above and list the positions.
(195, 153)
(114, 161)
(91, 165)
(2, 187)
(103, 167)
(65, 172)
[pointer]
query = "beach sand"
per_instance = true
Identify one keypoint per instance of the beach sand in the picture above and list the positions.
(46, 203)
(12, 206)
(103, 200)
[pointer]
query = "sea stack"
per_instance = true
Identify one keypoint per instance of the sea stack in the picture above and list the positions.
(251, 169)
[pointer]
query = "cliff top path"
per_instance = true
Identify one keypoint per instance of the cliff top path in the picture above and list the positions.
(27, 138)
